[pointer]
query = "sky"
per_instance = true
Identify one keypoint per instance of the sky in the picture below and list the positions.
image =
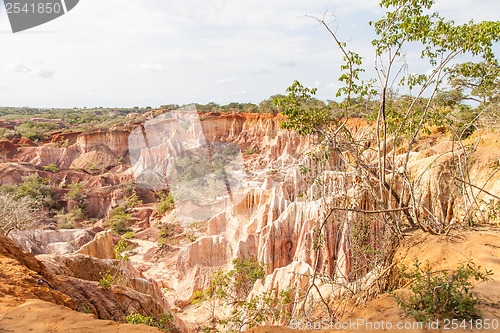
(124, 53)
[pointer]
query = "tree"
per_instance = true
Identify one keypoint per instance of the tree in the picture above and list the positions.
(18, 214)
(441, 41)
(390, 195)
(229, 289)
(479, 82)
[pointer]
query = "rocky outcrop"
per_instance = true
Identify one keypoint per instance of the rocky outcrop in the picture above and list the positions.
(101, 247)
(115, 140)
(74, 279)
(133, 293)
(19, 276)
(52, 241)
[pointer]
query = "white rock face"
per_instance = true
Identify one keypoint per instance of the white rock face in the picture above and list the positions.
(101, 247)
(51, 241)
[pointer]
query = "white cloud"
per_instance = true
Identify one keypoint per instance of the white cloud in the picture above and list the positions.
(332, 87)
(44, 73)
(226, 80)
(124, 50)
(287, 63)
(19, 68)
(151, 67)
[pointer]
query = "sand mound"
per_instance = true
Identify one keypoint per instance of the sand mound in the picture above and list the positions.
(100, 157)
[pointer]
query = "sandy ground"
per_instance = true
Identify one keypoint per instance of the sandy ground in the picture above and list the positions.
(43, 317)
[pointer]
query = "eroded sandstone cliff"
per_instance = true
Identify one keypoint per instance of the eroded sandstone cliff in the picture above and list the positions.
(273, 218)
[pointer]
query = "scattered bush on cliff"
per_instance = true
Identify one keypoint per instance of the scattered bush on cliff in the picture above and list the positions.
(76, 192)
(108, 280)
(120, 216)
(123, 249)
(18, 213)
(165, 322)
(441, 294)
(166, 203)
(231, 288)
(132, 200)
(120, 220)
(37, 188)
(51, 168)
(70, 219)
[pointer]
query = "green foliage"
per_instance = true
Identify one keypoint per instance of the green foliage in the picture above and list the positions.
(37, 188)
(250, 151)
(120, 220)
(270, 307)
(302, 117)
(133, 200)
(51, 168)
(75, 192)
(465, 117)
(70, 219)
(108, 280)
(165, 322)
(166, 203)
(7, 188)
(410, 21)
(167, 233)
(75, 118)
(234, 285)
(492, 210)
(191, 236)
(480, 81)
(34, 130)
(231, 288)
(441, 294)
(128, 235)
(123, 249)
(397, 120)
(85, 309)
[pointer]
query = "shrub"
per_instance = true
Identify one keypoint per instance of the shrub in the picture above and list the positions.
(132, 200)
(75, 192)
(165, 322)
(51, 168)
(166, 203)
(107, 280)
(69, 220)
(445, 293)
(120, 220)
(231, 288)
(123, 249)
(37, 188)
(191, 236)
(85, 309)
(250, 151)
(6, 188)
(18, 213)
(129, 235)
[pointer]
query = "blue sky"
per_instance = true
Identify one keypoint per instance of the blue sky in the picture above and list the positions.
(154, 52)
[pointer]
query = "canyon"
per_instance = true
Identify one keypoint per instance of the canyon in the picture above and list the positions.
(274, 193)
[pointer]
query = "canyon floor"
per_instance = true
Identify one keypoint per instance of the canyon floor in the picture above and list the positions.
(269, 213)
